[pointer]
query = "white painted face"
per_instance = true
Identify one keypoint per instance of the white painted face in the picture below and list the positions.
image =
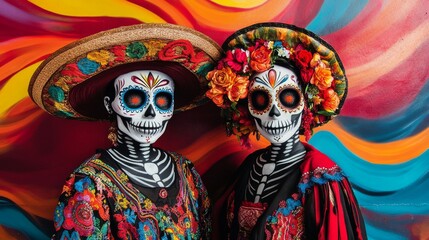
(276, 102)
(143, 104)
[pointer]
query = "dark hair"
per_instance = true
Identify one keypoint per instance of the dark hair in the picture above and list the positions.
(287, 63)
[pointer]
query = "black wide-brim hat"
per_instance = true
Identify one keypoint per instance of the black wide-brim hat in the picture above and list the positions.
(72, 82)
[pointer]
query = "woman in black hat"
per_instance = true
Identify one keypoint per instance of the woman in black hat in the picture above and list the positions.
(280, 81)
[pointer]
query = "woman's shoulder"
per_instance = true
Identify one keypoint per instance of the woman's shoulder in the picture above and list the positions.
(316, 160)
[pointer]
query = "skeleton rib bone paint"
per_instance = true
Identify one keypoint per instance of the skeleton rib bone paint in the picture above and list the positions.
(276, 103)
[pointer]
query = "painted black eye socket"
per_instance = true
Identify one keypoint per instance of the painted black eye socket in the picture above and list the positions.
(163, 100)
(134, 98)
(260, 100)
(290, 98)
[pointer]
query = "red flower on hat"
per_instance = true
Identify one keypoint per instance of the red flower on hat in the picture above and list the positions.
(72, 73)
(119, 52)
(303, 58)
(236, 60)
(183, 51)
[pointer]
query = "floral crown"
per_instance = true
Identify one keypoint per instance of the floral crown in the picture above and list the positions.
(256, 49)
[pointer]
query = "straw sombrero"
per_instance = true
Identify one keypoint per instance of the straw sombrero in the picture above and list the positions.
(72, 82)
(257, 48)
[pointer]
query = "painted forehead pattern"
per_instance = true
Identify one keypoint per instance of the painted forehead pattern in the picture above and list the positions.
(275, 77)
(148, 79)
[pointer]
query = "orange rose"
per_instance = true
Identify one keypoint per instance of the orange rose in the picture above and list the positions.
(260, 59)
(216, 95)
(322, 78)
(221, 77)
(239, 90)
(316, 100)
(331, 100)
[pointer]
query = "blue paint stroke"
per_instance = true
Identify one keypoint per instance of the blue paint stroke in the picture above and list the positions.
(396, 193)
(375, 233)
(13, 217)
(390, 189)
(407, 122)
(334, 15)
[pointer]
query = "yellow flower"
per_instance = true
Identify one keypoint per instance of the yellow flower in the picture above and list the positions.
(123, 202)
(315, 60)
(147, 203)
(153, 47)
(62, 83)
(102, 57)
(122, 176)
(317, 100)
(322, 78)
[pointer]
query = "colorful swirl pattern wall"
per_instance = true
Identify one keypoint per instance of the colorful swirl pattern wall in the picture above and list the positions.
(380, 140)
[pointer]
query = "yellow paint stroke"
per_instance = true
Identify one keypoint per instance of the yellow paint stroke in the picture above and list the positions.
(365, 74)
(16, 88)
(109, 8)
(26, 50)
(381, 153)
(243, 4)
(219, 17)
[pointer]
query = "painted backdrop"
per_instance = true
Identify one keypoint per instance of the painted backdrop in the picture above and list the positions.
(380, 140)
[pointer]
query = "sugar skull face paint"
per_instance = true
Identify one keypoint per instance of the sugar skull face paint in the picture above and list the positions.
(143, 104)
(276, 102)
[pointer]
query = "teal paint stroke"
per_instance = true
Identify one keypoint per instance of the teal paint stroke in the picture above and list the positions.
(13, 217)
(383, 188)
(333, 15)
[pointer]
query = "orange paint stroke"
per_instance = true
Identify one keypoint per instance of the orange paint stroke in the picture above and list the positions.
(30, 49)
(19, 116)
(41, 206)
(178, 17)
(381, 153)
(231, 19)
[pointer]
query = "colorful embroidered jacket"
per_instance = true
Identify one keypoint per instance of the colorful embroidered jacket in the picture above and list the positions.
(99, 202)
(316, 202)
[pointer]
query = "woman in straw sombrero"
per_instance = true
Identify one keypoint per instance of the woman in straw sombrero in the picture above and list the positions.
(137, 77)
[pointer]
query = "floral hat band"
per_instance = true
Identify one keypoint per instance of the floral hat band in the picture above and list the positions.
(72, 82)
(256, 49)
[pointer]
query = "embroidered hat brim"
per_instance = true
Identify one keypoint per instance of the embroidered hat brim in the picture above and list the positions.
(72, 82)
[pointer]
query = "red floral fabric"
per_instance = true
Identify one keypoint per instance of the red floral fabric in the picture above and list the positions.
(323, 206)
